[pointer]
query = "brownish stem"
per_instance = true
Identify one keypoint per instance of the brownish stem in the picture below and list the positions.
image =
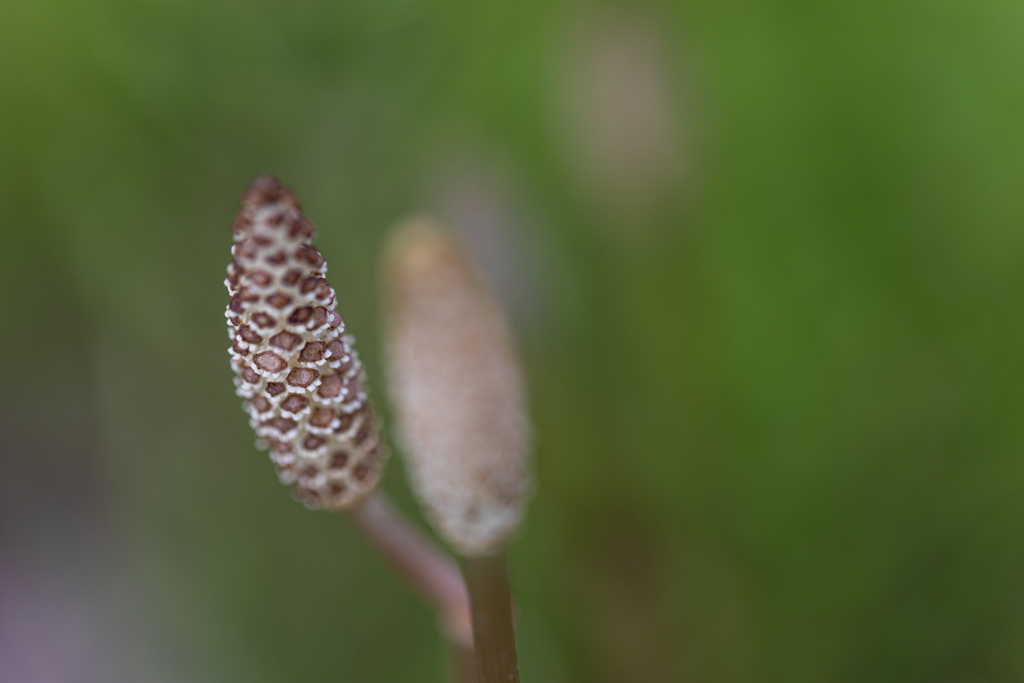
(463, 663)
(426, 567)
(493, 630)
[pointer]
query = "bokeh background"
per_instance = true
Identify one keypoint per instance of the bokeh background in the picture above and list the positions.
(765, 259)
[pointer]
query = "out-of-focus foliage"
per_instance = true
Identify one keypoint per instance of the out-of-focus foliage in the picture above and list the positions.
(766, 260)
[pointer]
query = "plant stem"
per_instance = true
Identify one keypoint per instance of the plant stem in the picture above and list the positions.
(462, 661)
(493, 630)
(427, 568)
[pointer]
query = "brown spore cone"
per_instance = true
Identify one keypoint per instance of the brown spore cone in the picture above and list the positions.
(296, 368)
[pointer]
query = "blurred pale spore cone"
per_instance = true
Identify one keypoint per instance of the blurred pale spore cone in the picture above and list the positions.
(455, 382)
(296, 368)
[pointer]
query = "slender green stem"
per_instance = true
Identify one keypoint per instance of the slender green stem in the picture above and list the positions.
(494, 633)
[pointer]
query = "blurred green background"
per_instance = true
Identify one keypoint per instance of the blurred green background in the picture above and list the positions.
(765, 259)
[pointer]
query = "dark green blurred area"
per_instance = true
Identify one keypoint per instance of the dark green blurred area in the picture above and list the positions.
(770, 300)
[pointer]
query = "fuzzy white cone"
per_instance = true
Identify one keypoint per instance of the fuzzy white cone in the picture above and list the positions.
(456, 385)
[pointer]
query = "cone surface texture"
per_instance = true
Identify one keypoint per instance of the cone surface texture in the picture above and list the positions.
(295, 366)
(455, 382)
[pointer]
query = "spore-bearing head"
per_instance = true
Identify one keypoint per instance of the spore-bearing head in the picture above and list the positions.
(296, 366)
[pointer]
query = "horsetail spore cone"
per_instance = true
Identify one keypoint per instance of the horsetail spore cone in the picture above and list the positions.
(296, 367)
(456, 384)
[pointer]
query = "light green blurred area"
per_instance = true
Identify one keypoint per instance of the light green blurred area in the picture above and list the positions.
(775, 363)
